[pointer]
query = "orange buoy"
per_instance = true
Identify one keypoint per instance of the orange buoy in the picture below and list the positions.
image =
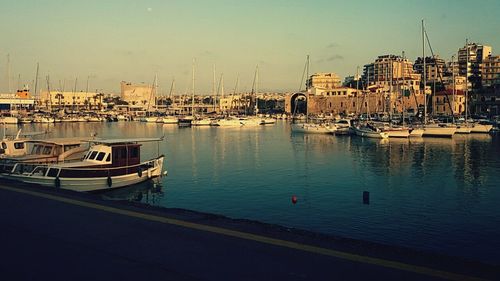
(294, 199)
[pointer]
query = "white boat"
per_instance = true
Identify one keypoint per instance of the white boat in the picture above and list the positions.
(416, 132)
(311, 128)
(369, 132)
(26, 120)
(122, 117)
(395, 132)
(438, 130)
(268, 121)
(228, 122)
(251, 121)
(8, 120)
(392, 131)
(201, 122)
(109, 164)
(43, 119)
(463, 129)
(342, 126)
(170, 120)
(481, 127)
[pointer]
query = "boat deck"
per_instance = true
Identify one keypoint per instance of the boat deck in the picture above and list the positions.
(62, 235)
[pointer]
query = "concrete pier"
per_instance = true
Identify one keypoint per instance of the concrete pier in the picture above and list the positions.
(59, 235)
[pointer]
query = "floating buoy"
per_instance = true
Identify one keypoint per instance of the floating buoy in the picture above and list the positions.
(294, 199)
(366, 197)
(139, 172)
(109, 181)
(57, 182)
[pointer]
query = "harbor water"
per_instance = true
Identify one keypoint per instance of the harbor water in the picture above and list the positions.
(433, 194)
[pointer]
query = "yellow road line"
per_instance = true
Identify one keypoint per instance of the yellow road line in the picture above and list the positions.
(253, 237)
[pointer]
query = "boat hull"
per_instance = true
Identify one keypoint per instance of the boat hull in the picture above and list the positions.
(439, 131)
(370, 134)
(85, 184)
(480, 128)
(398, 133)
(311, 129)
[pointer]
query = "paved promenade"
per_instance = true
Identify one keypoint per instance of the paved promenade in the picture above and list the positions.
(58, 235)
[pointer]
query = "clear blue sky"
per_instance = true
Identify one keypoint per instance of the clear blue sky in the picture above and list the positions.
(113, 40)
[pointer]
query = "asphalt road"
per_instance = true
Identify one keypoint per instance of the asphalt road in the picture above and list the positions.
(58, 235)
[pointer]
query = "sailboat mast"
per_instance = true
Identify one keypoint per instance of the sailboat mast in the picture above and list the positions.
(214, 93)
(36, 80)
(357, 89)
(403, 86)
(192, 98)
(256, 89)
(424, 73)
(454, 89)
(466, 77)
(8, 71)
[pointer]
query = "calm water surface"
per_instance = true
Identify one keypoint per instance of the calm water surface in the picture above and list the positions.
(438, 195)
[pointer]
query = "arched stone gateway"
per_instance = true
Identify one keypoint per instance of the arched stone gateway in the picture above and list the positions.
(296, 102)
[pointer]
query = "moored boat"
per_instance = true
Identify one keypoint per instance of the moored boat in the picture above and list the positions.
(311, 128)
(107, 165)
(369, 132)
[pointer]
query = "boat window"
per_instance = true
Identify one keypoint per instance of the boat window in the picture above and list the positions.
(4, 145)
(92, 155)
(100, 156)
(134, 152)
(68, 147)
(47, 150)
(19, 145)
(108, 158)
(52, 172)
(37, 149)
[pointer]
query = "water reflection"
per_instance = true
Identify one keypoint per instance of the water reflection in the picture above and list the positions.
(149, 192)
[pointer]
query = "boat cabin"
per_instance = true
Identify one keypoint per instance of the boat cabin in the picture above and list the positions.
(55, 150)
(13, 147)
(116, 155)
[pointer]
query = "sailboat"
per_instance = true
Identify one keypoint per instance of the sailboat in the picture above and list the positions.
(202, 120)
(366, 129)
(307, 127)
(149, 117)
(432, 130)
(186, 121)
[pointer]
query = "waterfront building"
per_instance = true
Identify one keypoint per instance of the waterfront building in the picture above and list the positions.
(71, 100)
(138, 95)
(234, 103)
(486, 101)
(490, 71)
(475, 54)
(460, 83)
(442, 101)
(324, 80)
(10, 102)
(435, 68)
(390, 68)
